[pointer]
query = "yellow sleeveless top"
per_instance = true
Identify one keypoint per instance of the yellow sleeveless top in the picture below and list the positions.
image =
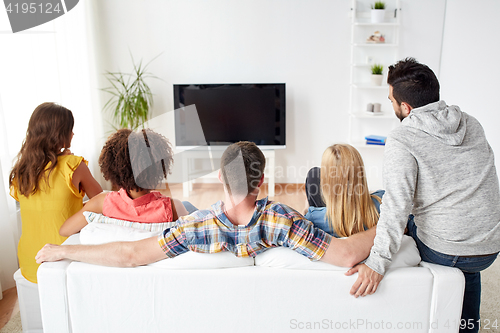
(43, 213)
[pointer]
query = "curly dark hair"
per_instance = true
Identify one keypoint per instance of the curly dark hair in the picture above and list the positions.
(136, 160)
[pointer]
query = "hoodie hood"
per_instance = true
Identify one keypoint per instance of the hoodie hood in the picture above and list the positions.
(445, 123)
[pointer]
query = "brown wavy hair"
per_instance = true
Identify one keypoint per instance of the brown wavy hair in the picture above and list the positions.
(49, 130)
(136, 160)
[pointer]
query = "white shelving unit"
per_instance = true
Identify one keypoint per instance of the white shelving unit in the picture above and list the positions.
(363, 55)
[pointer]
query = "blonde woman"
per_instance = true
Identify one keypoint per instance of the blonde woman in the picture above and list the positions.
(338, 196)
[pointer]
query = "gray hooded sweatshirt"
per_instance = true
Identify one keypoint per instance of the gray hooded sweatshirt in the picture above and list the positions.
(439, 167)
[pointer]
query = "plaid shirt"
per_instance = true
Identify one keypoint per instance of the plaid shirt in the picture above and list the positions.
(272, 224)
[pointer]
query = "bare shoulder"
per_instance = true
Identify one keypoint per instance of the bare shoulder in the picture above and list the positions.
(95, 204)
(82, 167)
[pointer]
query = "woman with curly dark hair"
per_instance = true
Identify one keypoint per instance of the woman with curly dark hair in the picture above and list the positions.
(136, 162)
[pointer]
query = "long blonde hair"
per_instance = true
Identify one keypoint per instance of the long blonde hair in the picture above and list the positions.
(349, 205)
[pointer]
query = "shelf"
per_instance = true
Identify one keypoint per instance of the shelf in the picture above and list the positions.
(383, 115)
(370, 86)
(374, 45)
(363, 145)
(364, 65)
(368, 23)
(362, 91)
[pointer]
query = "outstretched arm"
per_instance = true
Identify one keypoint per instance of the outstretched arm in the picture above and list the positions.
(77, 221)
(119, 254)
(347, 252)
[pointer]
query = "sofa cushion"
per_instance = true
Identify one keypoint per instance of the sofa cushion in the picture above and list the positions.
(195, 260)
(99, 233)
(99, 218)
(282, 257)
(408, 255)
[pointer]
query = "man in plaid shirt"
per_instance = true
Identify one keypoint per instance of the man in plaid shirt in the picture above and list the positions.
(243, 225)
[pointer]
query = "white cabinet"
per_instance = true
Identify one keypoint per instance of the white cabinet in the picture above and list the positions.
(364, 54)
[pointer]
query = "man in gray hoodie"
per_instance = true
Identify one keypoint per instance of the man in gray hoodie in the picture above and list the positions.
(439, 167)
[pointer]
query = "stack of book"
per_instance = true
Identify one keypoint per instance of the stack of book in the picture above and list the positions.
(375, 140)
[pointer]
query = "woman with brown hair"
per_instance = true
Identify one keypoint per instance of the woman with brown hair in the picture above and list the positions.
(136, 162)
(48, 181)
(338, 196)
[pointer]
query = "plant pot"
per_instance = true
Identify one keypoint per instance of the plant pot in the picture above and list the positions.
(377, 79)
(378, 15)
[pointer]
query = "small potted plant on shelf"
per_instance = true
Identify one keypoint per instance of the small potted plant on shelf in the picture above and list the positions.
(378, 12)
(377, 74)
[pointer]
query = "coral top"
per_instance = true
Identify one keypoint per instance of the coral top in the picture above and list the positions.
(44, 212)
(153, 207)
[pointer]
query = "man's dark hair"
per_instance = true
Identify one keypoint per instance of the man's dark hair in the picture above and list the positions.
(240, 159)
(413, 83)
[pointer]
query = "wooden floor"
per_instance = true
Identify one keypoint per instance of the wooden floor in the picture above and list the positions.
(202, 196)
(8, 306)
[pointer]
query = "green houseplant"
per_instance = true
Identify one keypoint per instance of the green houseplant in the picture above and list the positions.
(378, 5)
(377, 74)
(131, 99)
(378, 12)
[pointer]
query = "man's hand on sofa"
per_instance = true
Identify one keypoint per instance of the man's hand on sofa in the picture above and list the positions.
(49, 252)
(367, 282)
(119, 254)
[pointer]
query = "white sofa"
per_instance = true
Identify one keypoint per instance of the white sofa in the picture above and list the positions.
(278, 291)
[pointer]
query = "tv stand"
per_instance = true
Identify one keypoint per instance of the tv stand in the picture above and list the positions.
(189, 156)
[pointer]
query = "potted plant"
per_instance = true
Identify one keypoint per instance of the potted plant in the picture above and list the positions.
(377, 74)
(378, 12)
(131, 99)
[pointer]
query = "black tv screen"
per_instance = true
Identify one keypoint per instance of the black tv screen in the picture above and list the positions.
(229, 113)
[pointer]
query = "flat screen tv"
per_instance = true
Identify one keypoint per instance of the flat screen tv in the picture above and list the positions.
(221, 114)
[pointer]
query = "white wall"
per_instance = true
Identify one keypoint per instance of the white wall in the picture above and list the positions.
(303, 43)
(470, 68)
(244, 41)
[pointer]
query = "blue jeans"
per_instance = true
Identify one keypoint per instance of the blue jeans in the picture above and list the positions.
(189, 207)
(313, 188)
(470, 267)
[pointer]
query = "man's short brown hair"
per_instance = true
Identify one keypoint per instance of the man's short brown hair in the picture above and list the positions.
(242, 166)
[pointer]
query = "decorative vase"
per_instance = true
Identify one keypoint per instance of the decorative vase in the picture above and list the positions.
(377, 79)
(378, 15)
